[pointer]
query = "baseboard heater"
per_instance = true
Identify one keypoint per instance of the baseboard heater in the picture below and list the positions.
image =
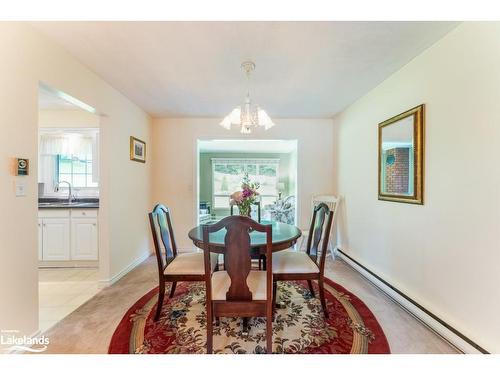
(461, 342)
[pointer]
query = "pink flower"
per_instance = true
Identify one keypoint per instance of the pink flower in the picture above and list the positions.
(247, 193)
(237, 197)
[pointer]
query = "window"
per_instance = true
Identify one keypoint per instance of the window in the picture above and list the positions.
(76, 171)
(228, 173)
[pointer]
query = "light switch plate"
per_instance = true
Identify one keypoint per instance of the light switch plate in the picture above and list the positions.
(20, 189)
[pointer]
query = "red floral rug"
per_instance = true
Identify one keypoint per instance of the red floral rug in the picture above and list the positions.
(298, 327)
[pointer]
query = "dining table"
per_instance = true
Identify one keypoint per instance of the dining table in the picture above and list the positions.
(284, 237)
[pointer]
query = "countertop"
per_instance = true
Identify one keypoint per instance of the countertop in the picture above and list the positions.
(51, 203)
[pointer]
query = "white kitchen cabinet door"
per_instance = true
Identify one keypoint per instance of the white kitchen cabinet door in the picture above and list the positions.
(40, 239)
(84, 240)
(55, 239)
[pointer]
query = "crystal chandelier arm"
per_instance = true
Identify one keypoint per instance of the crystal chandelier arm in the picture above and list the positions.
(248, 116)
(265, 120)
(226, 122)
(231, 119)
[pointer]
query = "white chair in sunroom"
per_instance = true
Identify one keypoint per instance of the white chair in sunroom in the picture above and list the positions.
(333, 203)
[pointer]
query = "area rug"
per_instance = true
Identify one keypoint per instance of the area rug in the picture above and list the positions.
(299, 326)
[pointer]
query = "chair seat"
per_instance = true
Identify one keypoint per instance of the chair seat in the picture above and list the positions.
(256, 282)
(293, 262)
(190, 264)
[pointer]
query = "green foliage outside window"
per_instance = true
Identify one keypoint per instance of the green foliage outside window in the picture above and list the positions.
(76, 171)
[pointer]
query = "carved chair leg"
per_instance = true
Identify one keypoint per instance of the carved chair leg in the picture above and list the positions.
(245, 330)
(269, 331)
(210, 329)
(311, 289)
(322, 296)
(172, 289)
(161, 296)
(275, 291)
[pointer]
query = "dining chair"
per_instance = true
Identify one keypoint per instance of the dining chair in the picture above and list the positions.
(255, 256)
(309, 265)
(238, 291)
(333, 202)
(172, 266)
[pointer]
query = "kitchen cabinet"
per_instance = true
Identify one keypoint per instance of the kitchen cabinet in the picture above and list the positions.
(55, 239)
(84, 239)
(40, 239)
(67, 235)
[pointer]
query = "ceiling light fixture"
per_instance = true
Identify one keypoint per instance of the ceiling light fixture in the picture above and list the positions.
(249, 116)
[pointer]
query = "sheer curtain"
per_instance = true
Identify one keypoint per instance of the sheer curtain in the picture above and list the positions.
(47, 172)
(75, 144)
(78, 145)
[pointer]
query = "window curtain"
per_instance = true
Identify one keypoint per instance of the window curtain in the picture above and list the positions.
(95, 157)
(47, 172)
(77, 145)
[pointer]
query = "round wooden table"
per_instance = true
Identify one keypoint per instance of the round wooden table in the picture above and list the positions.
(284, 236)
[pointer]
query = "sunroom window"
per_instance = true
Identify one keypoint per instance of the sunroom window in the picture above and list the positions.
(228, 173)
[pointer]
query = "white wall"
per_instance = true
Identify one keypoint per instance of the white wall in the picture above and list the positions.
(50, 118)
(174, 171)
(27, 58)
(446, 253)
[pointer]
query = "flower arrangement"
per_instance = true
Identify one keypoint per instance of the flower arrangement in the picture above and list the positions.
(246, 197)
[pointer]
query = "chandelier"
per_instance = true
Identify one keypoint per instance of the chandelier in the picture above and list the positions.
(249, 116)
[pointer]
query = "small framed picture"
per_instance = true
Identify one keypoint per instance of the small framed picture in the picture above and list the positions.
(137, 150)
(23, 166)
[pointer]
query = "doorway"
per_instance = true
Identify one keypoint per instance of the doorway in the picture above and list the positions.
(68, 204)
(222, 165)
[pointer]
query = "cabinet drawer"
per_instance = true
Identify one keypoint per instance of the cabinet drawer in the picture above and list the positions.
(83, 213)
(52, 212)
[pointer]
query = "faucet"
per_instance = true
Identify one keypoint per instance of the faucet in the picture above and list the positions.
(70, 196)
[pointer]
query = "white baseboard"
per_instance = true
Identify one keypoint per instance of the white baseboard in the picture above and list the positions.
(435, 325)
(191, 249)
(141, 258)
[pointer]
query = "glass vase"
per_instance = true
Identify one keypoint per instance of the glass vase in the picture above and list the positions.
(245, 211)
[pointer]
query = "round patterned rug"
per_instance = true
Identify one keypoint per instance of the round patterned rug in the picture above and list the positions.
(298, 327)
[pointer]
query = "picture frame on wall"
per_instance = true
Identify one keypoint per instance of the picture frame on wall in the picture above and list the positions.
(137, 150)
(401, 157)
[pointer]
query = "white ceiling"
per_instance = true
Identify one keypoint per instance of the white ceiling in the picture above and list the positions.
(192, 69)
(250, 146)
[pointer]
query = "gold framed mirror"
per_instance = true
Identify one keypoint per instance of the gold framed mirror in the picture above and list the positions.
(401, 157)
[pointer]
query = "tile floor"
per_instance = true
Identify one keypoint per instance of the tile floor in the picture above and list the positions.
(63, 290)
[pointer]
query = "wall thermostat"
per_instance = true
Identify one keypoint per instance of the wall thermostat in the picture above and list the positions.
(23, 166)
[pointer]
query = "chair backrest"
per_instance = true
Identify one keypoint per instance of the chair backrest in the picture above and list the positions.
(163, 236)
(333, 202)
(256, 204)
(330, 200)
(237, 260)
(317, 241)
